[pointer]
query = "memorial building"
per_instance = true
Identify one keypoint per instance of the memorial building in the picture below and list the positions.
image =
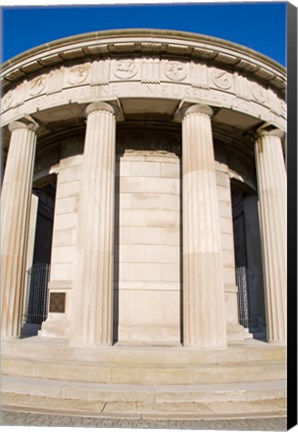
(143, 203)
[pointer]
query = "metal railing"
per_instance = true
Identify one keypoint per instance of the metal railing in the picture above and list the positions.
(245, 281)
(36, 294)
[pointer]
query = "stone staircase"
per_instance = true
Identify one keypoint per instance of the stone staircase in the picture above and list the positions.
(247, 379)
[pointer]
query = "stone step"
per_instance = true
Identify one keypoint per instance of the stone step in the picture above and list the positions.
(144, 382)
(147, 374)
(145, 401)
(145, 393)
(55, 359)
(47, 349)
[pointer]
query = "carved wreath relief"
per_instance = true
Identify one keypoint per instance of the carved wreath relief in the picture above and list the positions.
(7, 100)
(78, 74)
(221, 79)
(125, 69)
(37, 85)
(175, 71)
(258, 92)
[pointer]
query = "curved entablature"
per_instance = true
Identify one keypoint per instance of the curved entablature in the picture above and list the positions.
(133, 42)
(147, 75)
(122, 67)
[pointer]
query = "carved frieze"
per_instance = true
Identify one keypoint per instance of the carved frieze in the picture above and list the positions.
(221, 79)
(78, 74)
(258, 92)
(37, 85)
(283, 109)
(100, 72)
(55, 81)
(150, 71)
(20, 94)
(150, 77)
(125, 69)
(175, 71)
(7, 100)
(199, 76)
(242, 86)
(273, 102)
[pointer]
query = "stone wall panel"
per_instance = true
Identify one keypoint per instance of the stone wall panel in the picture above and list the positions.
(147, 258)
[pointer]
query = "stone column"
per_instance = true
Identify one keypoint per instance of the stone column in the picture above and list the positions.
(92, 321)
(271, 175)
(15, 215)
(203, 288)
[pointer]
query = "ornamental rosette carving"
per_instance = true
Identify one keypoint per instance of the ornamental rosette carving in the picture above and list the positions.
(125, 69)
(78, 74)
(222, 79)
(37, 85)
(258, 93)
(175, 71)
(7, 101)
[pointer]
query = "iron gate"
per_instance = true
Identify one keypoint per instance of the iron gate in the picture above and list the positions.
(245, 281)
(36, 294)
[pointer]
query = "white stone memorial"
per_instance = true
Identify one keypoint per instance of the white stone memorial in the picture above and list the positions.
(157, 159)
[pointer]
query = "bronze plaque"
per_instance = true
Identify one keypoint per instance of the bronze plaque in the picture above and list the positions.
(57, 302)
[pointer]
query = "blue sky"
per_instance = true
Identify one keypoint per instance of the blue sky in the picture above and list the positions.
(259, 26)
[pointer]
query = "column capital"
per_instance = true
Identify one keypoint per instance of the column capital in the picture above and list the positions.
(260, 133)
(21, 124)
(100, 106)
(198, 109)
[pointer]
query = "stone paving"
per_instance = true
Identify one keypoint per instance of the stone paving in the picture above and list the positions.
(20, 418)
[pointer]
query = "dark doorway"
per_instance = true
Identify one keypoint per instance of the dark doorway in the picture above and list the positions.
(248, 260)
(37, 275)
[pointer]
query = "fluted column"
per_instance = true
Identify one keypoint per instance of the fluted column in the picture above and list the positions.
(15, 214)
(271, 175)
(92, 321)
(203, 289)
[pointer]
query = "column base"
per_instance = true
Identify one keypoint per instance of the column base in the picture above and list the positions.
(9, 338)
(55, 328)
(199, 347)
(274, 342)
(87, 345)
(236, 332)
